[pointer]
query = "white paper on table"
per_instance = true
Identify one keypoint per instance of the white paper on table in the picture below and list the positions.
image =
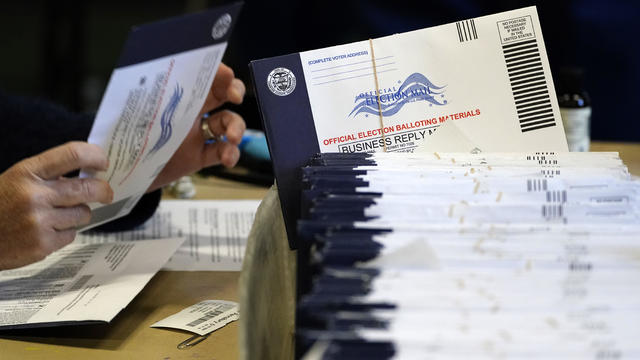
(216, 232)
(80, 283)
(202, 318)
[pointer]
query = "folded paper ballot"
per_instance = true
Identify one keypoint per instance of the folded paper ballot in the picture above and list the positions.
(81, 283)
(458, 255)
(155, 93)
(489, 77)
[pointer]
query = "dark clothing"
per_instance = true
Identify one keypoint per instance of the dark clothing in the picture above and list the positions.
(31, 126)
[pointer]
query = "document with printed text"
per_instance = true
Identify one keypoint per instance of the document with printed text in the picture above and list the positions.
(216, 232)
(152, 100)
(80, 283)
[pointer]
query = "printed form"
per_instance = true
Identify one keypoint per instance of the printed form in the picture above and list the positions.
(216, 232)
(80, 283)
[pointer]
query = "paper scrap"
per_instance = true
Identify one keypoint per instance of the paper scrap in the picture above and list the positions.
(202, 318)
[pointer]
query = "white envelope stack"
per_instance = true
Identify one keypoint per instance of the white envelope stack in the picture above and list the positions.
(451, 255)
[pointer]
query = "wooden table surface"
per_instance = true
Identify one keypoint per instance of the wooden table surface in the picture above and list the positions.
(129, 336)
(629, 152)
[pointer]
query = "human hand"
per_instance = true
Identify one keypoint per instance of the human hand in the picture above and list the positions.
(40, 209)
(194, 154)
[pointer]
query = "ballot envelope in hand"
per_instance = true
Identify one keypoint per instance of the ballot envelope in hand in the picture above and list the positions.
(155, 93)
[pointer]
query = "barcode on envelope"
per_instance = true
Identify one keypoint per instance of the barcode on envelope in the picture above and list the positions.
(536, 185)
(557, 196)
(528, 85)
(466, 30)
(552, 212)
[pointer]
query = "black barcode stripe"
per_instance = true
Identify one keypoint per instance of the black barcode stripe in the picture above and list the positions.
(527, 79)
(464, 27)
(522, 43)
(527, 88)
(525, 108)
(534, 185)
(466, 30)
(528, 75)
(473, 27)
(535, 98)
(526, 112)
(529, 65)
(532, 45)
(527, 117)
(551, 212)
(536, 110)
(538, 117)
(532, 124)
(536, 103)
(540, 127)
(522, 52)
(514, 63)
(524, 63)
(527, 57)
(528, 85)
(524, 91)
(538, 93)
(525, 70)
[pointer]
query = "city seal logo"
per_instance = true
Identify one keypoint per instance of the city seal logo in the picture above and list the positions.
(221, 26)
(281, 81)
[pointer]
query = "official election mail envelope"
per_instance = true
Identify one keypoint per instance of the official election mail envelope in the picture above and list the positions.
(153, 97)
(489, 76)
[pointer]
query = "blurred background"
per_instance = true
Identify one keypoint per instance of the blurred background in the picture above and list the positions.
(65, 50)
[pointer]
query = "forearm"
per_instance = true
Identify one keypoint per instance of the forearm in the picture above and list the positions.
(31, 126)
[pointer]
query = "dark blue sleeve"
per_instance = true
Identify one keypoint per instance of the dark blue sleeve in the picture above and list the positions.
(31, 126)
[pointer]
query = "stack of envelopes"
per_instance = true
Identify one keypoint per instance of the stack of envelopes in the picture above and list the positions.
(452, 255)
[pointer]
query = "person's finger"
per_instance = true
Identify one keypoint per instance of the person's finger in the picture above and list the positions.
(62, 159)
(70, 192)
(221, 83)
(236, 91)
(229, 124)
(225, 88)
(65, 218)
(229, 156)
(62, 238)
(221, 152)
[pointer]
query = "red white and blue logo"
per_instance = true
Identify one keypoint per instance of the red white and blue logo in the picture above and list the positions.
(388, 102)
